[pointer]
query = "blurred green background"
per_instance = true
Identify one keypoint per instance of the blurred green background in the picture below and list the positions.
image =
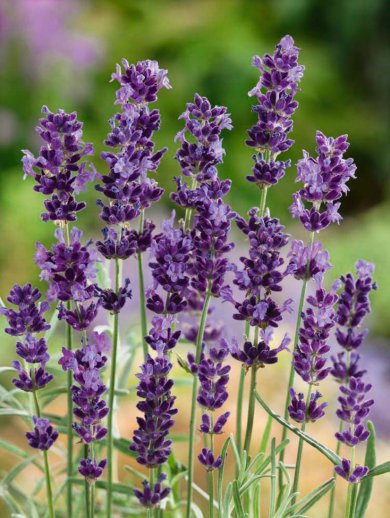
(62, 53)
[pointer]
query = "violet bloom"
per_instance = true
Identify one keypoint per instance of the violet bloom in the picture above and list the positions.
(213, 376)
(307, 262)
(275, 92)
(351, 474)
(317, 322)
(90, 408)
(127, 186)
(259, 355)
(150, 440)
(43, 436)
(70, 270)
(57, 170)
(354, 305)
(302, 413)
(112, 301)
(152, 496)
(324, 181)
(162, 338)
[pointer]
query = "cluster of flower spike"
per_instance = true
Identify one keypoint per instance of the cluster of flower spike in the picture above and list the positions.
(58, 170)
(127, 186)
(90, 409)
(27, 321)
(353, 307)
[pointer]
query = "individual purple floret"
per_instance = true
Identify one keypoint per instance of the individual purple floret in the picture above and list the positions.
(151, 498)
(325, 181)
(34, 379)
(355, 475)
(354, 305)
(43, 436)
(150, 441)
(57, 170)
(317, 322)
(209, 461)
(354, 408)
(275, 92)
(307, 262)
(91, 469)
(29, 316)
(302, 414)
(204, 123)
(261, 354)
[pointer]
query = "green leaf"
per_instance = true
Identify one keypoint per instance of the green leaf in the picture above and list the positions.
(327, 452)
(266, 435)
(50, 395)
(366, 484)
(379, 470)
(7, 369)
(14, 472)
(220, 473)
(134, 472)
(123, 446)
(239, 510)
(183, 364)
(227, 499)
(53, 326)
(272, 504)
(14, 412)
(236, 453)
(15, 450)
(313, 497)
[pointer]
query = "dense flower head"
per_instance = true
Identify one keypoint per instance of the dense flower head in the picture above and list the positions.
(150, 440)
(162, 338)
(188, 198)
(141, 82)
(351, 474)
(33, 350)
(259, 354)
(265, 174)
(302, 413)
(354, 407)
(34, 379)
(204, 124)
(112, 301)
(324, 181)
(58, 170)
(354, 305)
(90, 409)
(91, 469)
(307, 262)
(70, 269)
(152, 496)
(262, 313)
(125, 242)
(317, 322)
(262, 269)
(28, 318)
(209, 460)
(43, 436)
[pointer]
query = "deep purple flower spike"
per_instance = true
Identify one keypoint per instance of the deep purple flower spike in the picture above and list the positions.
(43, 436)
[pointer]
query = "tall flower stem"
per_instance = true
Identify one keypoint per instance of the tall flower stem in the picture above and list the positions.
(142, 300)
(292, 371)
(251, 403)
(240, 398)
(49, 490)
(193, 405)
(110, 440)
(300, 451)
(188, 212)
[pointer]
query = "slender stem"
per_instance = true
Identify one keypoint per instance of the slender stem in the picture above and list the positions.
(300, 450)
(142, 299)
(292, 371)
(333, 492)
(263, 199)
(188, 212)
(210, 474)
(87, 488)
(199, 342)
(251, 409)
(45, 457)
(111, 393)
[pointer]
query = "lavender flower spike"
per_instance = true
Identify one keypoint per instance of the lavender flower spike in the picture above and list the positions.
(43, 436)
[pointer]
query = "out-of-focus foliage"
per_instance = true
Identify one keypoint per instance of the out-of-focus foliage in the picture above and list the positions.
(61, 53)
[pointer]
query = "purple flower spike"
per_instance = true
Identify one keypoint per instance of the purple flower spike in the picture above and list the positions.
(91, 469)
(317, 322)
(43, 436)
(298, 411)
(343, 371)
(259, 354)
(325, 181)
(354, 305)
(208, 460)
(150, 441)
(33, 350)
(151, 498)
(353, 406)
(57, 169)
(355, 475)
(35, 379)
(112, 301)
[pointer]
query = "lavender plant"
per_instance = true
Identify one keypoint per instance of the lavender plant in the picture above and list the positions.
(192, 272)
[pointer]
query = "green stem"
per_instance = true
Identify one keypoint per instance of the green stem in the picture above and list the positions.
(49, 491)
(193, 405)
(251, 408)
(111, 393)
(333, 492)
(210, 474)
(188, 212)
(300, 450)
(292, 371)
(142, 299)
(263, 199)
